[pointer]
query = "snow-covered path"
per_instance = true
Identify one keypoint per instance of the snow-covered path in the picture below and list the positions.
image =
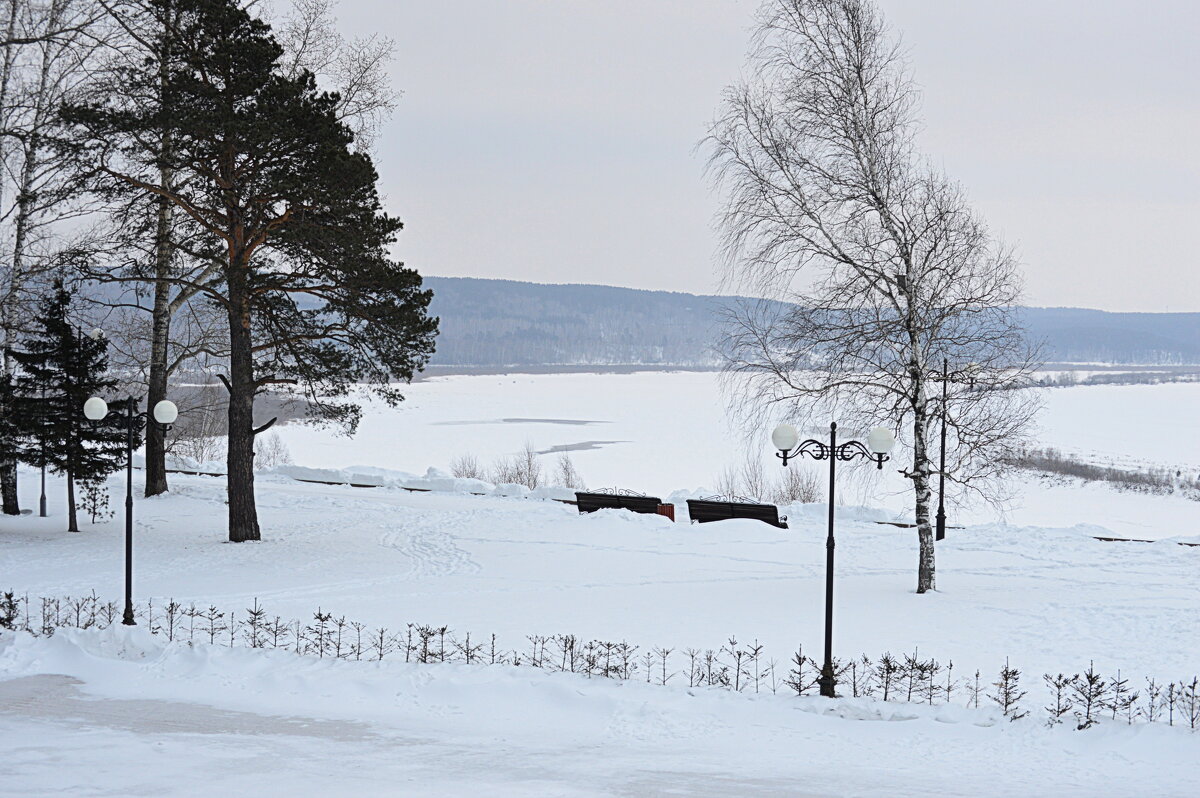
(90, 713)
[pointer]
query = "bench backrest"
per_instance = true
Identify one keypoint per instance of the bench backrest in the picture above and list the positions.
(591, 502)
(703, 510)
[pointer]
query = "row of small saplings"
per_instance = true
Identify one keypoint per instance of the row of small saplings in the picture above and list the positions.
(1084, 699)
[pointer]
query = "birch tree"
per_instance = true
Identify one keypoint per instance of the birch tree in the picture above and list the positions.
(878, 267)
(50, 45)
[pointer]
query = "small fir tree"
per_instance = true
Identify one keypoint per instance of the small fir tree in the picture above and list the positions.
(95, 500)
(61, 368)
(1008, 693)
(1060, 689)
(1088, 692)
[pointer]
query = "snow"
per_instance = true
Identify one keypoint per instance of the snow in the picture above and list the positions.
(1126, 426)
(667, 429)
(666, 433)
(117, 711)
(1048, 598)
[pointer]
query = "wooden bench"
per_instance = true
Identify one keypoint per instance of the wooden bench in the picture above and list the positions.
(704, 510)
(591, 502)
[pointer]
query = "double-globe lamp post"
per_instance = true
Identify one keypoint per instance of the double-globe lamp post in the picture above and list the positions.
(879, 443)
(165, 413)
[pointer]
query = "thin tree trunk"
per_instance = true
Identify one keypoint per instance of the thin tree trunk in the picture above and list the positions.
(156, 451)
(923, 495)
(243, 514)
(8, 467)
(26, 208)
(160, 335)
(6, 70)
(72, 516)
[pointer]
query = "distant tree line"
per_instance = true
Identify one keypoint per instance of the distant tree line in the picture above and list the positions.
(510, 323)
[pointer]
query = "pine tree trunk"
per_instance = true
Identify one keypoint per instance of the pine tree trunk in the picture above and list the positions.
(8, 483)
(156, 452)
(243, 514)
(72, 516)
(923, 495)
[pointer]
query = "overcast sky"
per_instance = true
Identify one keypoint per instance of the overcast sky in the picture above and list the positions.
(555, 140)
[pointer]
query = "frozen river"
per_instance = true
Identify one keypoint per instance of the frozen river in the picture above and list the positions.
(663, 431)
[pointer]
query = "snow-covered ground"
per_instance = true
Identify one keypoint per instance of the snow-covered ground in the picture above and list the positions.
(121, 713)
(1051, 599)
(116, 712)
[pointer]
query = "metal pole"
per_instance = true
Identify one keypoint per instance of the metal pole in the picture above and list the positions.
(42, 501)
(128, 619)
(941, 511)
(827, 679)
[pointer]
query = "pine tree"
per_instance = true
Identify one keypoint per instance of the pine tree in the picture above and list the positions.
(285, 208)
(1060, 687)
(67, 367)
(1008, 693)
(95, 500)
(1088, 692)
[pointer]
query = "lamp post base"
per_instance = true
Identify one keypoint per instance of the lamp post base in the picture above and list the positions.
(127, 619)
(941, 524)
(827, 681)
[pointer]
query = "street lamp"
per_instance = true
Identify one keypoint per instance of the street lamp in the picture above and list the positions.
(879, 442)
(42, 440)
(969, 374)
(941, 511)
(165, 413)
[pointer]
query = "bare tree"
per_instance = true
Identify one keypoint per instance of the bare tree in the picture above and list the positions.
(70, 30)
(37, 196)
(466, 467)
(877, 266)
(567, 476)
(356, 69)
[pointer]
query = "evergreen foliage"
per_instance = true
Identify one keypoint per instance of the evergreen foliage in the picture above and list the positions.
(1008, 693)
(286, 211)
(61, 368)
(10, 429)
(1089, 693)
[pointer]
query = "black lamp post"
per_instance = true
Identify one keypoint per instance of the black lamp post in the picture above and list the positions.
(165, 413)
(941, 511)
(879, 442)
(42, 436)
(967, 374)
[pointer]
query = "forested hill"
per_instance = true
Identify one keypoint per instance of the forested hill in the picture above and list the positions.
(492, 323)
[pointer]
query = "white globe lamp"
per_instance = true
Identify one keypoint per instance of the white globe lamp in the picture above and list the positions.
(165, 412)
(785, 437)
(95, 409)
